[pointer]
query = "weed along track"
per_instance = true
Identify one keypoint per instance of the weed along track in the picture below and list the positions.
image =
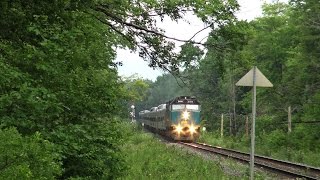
(289, 169)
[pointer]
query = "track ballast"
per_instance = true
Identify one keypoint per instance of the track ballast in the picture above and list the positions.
(290, 169)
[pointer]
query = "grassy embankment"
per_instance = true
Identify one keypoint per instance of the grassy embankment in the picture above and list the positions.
(147, 158)
(274, 145)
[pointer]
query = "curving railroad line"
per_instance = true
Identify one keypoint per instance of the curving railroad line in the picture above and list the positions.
(279, 166)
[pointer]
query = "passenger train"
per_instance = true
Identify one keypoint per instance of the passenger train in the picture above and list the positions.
(178, 118)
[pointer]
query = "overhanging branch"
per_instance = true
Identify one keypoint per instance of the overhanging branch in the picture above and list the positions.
(121, 21)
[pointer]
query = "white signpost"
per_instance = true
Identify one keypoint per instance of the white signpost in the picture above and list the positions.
(253, 78)
(132, 113)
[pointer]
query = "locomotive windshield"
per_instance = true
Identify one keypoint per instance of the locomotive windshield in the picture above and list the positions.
(193, 106)
(185, 106)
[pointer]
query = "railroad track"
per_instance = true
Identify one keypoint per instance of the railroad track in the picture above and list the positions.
(289, 169)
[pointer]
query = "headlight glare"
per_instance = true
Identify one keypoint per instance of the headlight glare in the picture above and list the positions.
(178, 128)
(185, 115)
(192, 129)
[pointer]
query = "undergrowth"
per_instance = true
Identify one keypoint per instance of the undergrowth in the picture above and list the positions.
(148, 158)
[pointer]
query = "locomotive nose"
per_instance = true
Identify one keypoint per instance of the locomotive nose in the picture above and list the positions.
(186, 128)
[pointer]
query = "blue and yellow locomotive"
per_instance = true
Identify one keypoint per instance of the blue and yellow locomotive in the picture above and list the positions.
(179, 118)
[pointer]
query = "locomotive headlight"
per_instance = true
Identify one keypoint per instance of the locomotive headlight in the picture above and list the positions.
(192, 129)
(178, 128)
(185, 115)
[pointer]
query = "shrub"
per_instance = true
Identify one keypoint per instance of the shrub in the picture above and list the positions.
(91, 152)
(27, 157)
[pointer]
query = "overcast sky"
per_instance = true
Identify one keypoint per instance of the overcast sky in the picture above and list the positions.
(133, 64)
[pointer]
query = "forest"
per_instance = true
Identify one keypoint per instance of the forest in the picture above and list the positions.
(283, 44)
(63, 104)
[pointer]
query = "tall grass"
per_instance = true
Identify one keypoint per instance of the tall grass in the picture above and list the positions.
(148, 158)
(275, 144)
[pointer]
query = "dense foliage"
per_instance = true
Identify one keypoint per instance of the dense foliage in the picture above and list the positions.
(55, 82)
(284, 45)
(166, 87)
(27, 157)
(59, 86)
(60, 92)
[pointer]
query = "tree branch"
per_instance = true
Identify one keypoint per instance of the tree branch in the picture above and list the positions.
(130, 40)
(199, 32)
(119, 20)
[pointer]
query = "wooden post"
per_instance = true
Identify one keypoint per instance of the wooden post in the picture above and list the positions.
(221, 129)
(289, 119)
(233, 102)
(230, 121)
(247, 126)
(234, 109)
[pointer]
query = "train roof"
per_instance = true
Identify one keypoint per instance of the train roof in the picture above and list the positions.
(184, 100)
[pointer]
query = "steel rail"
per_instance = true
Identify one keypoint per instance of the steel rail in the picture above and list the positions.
(280, 166)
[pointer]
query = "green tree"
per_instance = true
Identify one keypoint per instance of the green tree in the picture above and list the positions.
(166, 87)
(58, 76)
(141, 32)
(212, 81)
(27, 157)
